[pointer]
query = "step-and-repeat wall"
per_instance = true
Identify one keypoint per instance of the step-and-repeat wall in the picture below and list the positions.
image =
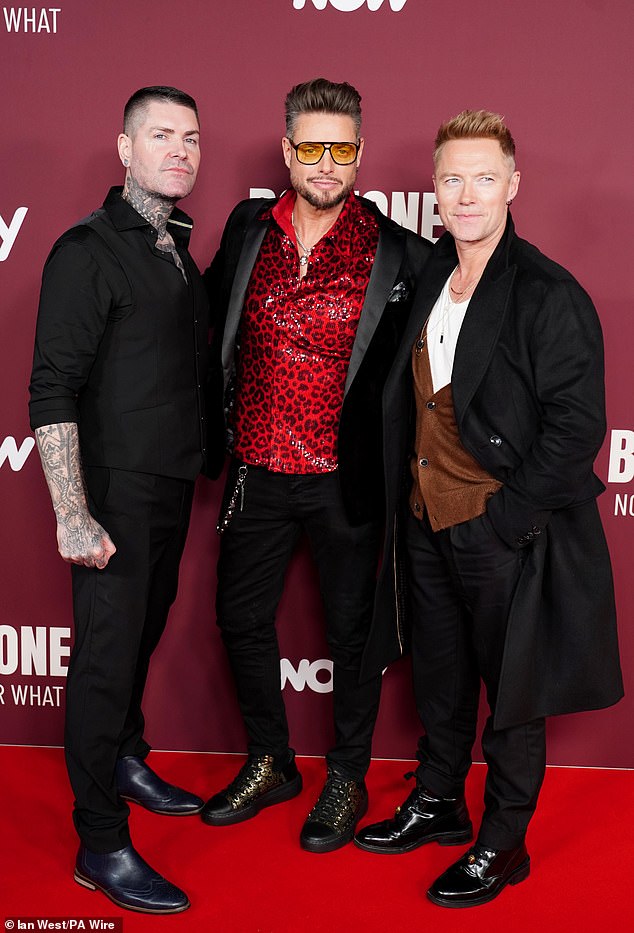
(560, 73)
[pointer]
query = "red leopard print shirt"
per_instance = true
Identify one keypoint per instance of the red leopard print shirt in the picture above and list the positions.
(295, 341)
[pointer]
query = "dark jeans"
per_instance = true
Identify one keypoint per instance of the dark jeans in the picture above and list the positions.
(120, 614)
(254, 554)
(462, 583)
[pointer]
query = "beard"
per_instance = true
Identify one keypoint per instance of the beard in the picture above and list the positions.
(322, 200)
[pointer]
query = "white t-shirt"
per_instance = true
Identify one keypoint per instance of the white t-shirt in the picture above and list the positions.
(443, 328)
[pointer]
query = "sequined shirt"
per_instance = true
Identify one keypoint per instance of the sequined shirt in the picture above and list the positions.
(296, 338)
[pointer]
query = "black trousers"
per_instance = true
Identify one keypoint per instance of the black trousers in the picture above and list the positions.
(462, 582)
(120, 614)
(254, 554)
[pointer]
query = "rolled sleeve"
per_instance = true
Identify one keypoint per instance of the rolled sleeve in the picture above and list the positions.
(75, 302)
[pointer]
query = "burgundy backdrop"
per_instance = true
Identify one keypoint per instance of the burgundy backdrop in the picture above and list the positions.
(560, 72)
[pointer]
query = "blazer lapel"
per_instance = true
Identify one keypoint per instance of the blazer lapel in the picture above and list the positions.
(248, 254)
(385, 268)
(434, 277)
(481, 327)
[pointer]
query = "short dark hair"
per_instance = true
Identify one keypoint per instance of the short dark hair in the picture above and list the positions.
(322, 96)
(136, 107)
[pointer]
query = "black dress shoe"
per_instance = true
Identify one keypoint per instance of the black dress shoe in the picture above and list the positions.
(137, 782)
(255, 786)
(128, 881)
(422, 818)
(332, 821)
(479, 876)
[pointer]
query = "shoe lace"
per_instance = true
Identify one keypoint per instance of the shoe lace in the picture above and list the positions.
(255, 774)
(336, 801)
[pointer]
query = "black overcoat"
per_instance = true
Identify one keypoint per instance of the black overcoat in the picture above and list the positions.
(528, 393)
(399, 260)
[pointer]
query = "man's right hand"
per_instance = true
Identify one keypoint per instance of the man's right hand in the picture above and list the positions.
(82, 540)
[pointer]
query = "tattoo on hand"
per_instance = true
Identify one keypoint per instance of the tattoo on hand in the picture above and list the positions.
(81, 539)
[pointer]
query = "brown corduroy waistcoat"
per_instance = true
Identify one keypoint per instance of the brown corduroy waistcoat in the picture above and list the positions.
(448, 482)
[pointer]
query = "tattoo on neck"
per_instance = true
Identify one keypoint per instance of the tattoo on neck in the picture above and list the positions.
(155, 209)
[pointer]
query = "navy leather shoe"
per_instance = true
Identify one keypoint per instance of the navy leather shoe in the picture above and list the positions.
(128, 881)
(137, 782)
(479, 876)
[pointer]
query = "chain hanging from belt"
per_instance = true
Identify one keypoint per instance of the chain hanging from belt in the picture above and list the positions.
(238, 491)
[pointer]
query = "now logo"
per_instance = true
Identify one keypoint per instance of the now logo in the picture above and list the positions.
(306, 675)
(17, 456)
(9, 232)
(349, 6)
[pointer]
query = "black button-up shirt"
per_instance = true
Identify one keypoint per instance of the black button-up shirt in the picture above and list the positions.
(121, 343)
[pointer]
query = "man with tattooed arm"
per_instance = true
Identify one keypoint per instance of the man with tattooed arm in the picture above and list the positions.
(116, 404)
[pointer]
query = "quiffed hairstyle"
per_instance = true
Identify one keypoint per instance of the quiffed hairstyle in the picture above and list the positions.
(476, 124)
(135, 109)
(322, 96)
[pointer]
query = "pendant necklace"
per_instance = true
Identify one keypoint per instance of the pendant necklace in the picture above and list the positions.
(447, 306)
(444, 314)
(303, 260)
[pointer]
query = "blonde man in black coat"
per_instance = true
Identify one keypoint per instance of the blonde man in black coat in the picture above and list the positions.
(507, 569)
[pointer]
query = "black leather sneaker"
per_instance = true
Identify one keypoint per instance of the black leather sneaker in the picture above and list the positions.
(256, 785)
(332, 821)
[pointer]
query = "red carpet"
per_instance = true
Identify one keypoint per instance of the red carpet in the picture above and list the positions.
(254, 878)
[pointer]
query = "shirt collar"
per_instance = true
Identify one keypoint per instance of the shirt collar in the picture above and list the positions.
(124, 217)
(341, 232)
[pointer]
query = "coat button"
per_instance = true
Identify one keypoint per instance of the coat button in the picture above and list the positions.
(423, 462)
(495, 440)
(431, 405)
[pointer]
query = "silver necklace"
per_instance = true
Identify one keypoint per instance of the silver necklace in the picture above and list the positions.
(448, 304)
(303, 260)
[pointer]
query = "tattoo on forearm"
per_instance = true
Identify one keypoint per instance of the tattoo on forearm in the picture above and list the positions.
(58, 446)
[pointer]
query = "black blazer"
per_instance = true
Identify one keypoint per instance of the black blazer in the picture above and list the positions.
(528, 393)
(399, 260)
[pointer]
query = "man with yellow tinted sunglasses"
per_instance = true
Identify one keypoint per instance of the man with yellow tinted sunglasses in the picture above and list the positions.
(312, 292)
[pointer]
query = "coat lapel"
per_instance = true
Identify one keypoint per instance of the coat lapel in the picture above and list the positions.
(483, 321)
(248, 254)
(387, 262)
(436, 272)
